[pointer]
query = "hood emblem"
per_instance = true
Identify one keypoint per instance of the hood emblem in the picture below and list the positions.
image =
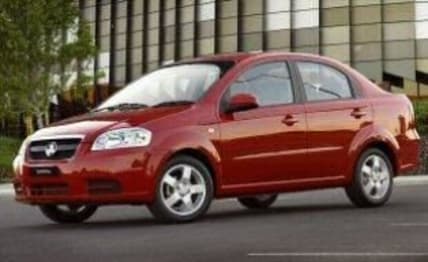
(51, 149)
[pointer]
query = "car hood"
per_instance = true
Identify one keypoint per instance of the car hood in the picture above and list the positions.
(94, 123)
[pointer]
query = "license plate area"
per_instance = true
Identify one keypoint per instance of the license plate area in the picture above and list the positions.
(44, 171)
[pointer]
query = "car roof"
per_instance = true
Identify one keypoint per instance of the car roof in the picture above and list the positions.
(240, 56)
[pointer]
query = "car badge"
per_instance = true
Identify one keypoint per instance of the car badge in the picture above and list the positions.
(51, 149)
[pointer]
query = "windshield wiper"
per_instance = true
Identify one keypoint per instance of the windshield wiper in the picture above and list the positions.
(122, 106)
(174, 103)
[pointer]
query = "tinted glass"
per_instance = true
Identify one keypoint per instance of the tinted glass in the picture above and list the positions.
(323, 82)
(269, 83)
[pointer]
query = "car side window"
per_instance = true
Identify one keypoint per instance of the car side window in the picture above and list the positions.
(269, 83)
(322, 82)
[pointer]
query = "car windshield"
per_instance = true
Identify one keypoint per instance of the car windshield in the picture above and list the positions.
(174, 85)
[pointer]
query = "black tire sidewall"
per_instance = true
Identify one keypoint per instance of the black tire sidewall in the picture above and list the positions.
(158, 208)
(255, 203)
(53, 213)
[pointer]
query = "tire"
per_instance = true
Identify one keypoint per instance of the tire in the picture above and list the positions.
(68, 214)
(373, 180)
(184, 191)
(258, 202)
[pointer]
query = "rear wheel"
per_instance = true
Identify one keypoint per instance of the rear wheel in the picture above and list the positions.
(258, 202)
(373, 180)
(68, 213)
(184, 192)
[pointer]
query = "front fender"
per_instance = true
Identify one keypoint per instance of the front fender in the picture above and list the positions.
(188, 139)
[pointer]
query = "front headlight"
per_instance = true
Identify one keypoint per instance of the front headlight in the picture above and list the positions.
(123, 138)
(19, 159)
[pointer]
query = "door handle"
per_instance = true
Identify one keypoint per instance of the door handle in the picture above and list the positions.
(358, 113)
(290, 120)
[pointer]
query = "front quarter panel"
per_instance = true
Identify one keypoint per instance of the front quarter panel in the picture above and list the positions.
(199, 138)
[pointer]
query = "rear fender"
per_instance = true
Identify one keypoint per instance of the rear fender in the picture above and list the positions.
(367, 137)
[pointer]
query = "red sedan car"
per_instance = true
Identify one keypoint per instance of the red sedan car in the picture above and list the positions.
(246, 125)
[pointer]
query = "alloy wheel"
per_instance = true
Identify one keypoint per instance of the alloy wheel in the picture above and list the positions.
(375, 177)
(183, 189)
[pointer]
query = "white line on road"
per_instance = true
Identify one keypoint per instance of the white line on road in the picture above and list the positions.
(411, 180)
(338, 254)
(6, 189)
(409, 224)
(6, 192)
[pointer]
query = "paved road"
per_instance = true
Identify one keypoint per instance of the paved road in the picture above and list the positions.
(317, 226)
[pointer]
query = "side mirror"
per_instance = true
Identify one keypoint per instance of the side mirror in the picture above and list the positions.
(242, 102)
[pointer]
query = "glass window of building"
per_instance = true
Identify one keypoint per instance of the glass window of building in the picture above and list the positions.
(338, 52)
(275, 6)
(335, 3)
(304, 19)
(277, 21)
(367, 51)
(398, 31)
(252, 7)
(138, 7)
(306, 5)
(338, 16)
(335, 35)
(228, 8)
(206, 10)
(121, 8)
(252, 42)
(366, 14)
(399, 12)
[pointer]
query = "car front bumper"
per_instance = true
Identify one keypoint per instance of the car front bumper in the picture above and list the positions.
(124, 176)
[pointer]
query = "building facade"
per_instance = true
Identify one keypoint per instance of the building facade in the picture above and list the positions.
(386, 40)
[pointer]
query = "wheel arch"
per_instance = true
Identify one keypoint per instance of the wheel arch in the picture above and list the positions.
(210, 160)
(374, 137)
(199, 155)
(158, 209)
(388, 150)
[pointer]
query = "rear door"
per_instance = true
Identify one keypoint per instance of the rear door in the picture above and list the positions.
(266, 144)
(335, 114)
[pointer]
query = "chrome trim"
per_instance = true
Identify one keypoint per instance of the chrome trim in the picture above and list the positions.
(59, 137)
(37, 149)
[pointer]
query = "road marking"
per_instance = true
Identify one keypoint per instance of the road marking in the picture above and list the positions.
(338, 254)
(6, 189)
(411, 180)
(409, 224)
(6, 192)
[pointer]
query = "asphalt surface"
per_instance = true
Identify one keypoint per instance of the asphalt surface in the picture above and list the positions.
(312, 226)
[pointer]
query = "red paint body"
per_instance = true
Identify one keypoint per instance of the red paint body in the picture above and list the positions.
(268, 149)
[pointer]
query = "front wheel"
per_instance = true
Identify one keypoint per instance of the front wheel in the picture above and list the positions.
(68, 213)
(373, 180)
(258, 202)
(184, 191)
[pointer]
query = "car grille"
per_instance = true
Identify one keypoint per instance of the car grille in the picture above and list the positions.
(53, 149)
(49, 190)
